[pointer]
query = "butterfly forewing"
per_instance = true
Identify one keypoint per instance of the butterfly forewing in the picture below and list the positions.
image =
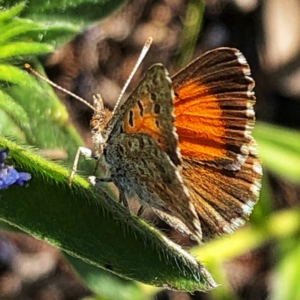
(149, 110)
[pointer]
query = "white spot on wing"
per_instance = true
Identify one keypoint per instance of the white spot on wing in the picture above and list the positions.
(248, 207)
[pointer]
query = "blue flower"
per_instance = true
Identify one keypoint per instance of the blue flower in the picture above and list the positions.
(8, 175)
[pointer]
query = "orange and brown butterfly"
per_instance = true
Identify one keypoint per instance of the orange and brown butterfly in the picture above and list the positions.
(198, 172)
(184, 147)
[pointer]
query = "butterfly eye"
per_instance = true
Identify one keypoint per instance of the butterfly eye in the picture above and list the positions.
(95, 122)
(92, 126)
(98, 122)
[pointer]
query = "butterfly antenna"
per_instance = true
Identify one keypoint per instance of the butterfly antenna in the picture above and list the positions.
(140, 59)
(36, 73)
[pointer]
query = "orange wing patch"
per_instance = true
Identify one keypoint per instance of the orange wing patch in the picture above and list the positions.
(149, 110)
(199, 123)
(214, 113)
(142, 119)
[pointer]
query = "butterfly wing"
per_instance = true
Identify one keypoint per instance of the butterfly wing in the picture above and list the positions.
(223, 199)
(214, 109)
(149, 110)
(214, 119)
(139, 167)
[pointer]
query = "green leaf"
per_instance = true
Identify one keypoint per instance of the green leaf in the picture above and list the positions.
(279, 225)
(279, 150)
(285, 281)
(17, 27)
(190, 33)
(17, 113)
(48, 119)
(107, 285)
(8, 14)
(22, 48)
(15, 75)
(78, 221)
(73, 11)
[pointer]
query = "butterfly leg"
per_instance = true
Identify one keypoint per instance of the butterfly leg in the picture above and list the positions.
(94, 180)
(81, 151)
(122, 197)
(97, 164)
(141, 210)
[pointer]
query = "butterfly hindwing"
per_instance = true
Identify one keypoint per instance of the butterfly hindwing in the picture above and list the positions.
(138, 167)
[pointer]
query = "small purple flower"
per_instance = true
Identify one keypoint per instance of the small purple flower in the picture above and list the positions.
(8, 175)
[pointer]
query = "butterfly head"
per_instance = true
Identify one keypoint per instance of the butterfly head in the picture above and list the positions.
(98, 123)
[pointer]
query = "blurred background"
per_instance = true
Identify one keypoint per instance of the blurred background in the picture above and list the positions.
(96, 46)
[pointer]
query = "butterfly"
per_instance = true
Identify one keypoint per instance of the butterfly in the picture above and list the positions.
(184, 146)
